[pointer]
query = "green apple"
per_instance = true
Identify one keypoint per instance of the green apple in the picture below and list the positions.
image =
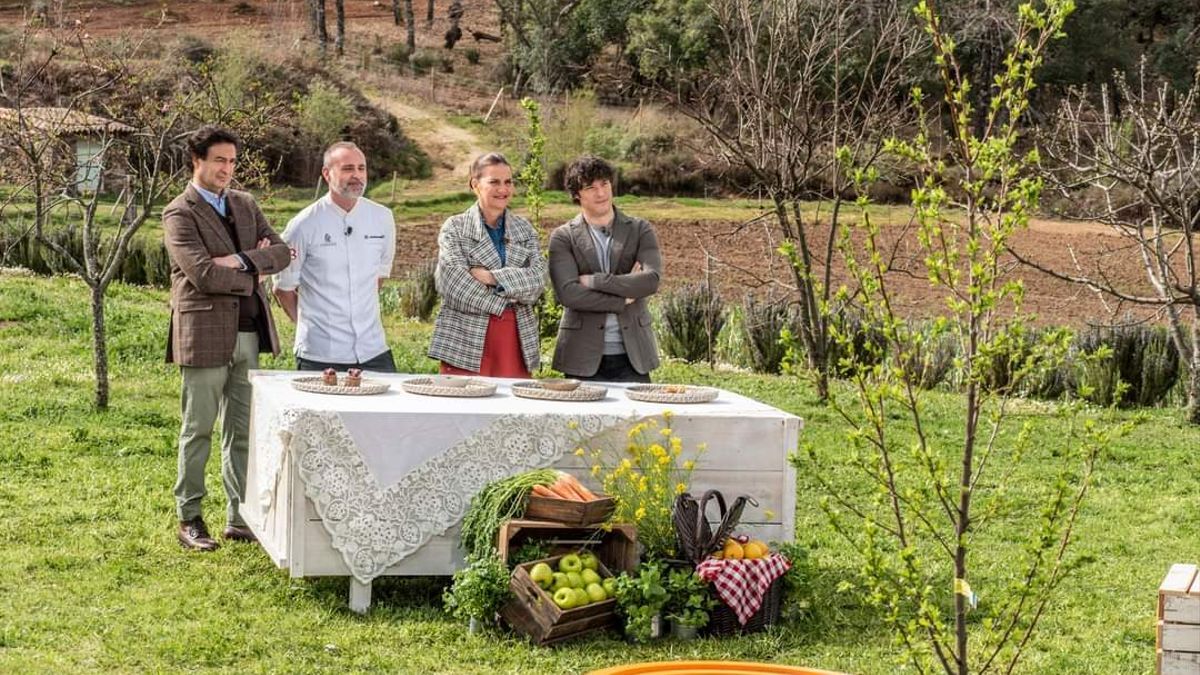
(576, 579)
(596, 593)
(589, 561)
(581, 597)
(542, 575)
(565, 598)
(570, 563)
(561, 581)
(589, 577)
(610, 586)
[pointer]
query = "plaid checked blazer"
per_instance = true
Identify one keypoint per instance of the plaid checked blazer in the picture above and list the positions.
(467, 305)
(204, 311)
(581, 332)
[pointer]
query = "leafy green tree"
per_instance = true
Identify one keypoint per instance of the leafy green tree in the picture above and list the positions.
(919, 528)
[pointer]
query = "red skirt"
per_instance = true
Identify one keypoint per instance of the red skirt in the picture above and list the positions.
(502, 355)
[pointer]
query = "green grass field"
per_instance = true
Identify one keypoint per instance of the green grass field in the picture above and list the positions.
(92, 580)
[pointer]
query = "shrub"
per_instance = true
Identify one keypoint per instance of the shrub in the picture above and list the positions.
(931, 360)
(1140, 368)
(691, 319)
(854, 343)
(323, 113)
(397, 54)
(762, 324)
(422, 61)
(415, 296)
(472, 55)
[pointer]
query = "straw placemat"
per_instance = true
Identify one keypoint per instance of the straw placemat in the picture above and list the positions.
(315, 385)
(671, 393)
(426, 387)
(532, 389)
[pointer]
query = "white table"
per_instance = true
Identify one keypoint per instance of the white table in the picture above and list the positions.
(365, 486)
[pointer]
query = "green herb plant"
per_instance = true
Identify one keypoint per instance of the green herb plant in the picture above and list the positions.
(478, 590)
(641, 597)
(688, 599)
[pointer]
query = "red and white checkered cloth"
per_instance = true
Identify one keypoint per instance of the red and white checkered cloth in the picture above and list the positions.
(743, 584)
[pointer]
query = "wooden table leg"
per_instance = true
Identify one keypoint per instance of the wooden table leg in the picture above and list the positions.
(360, 596)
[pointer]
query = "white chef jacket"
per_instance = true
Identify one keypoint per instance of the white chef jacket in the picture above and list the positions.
(337, 259)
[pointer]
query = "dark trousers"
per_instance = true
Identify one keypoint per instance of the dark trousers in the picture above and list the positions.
(380, 364)
(615, 368)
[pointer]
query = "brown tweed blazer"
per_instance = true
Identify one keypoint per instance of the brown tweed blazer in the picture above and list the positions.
(204, 296)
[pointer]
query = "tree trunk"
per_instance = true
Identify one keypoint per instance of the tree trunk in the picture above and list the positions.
(410, 29)
(429, 13)
(396, 12)
(339, 7)
(99, 347)
(318, 19)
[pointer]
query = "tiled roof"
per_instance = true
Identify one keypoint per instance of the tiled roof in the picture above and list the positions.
(64, 122)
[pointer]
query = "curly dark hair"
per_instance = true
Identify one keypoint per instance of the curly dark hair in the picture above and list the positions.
(207, 136)
(585, 171)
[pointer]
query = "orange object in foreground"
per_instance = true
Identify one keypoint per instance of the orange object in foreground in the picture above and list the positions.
(709, 668)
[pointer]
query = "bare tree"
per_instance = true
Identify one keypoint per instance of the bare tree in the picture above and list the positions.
(801, 89)
(396, 12)
(429, 13)
(317, 15)
(410, 28)
(1137, 170)
(40, 162)
(339, 41)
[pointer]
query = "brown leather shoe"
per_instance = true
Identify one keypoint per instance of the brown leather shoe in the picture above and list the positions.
(193, 535)
(239, 533)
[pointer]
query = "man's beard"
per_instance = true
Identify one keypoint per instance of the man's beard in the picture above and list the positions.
(350, 191)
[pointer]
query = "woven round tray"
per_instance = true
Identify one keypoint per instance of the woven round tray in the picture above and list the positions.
(659, 393)
(314, 385)
(426, 387)
(584, 392)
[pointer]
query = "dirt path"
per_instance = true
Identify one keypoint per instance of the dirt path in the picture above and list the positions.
(450, 148)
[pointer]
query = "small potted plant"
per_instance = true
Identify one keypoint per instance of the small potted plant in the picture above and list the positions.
(640, 600)
(479, 591)
(688, 603)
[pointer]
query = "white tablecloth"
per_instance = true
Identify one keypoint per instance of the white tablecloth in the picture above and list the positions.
(387, 472)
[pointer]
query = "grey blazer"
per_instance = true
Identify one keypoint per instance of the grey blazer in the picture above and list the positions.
(581, 332)
(467, 305)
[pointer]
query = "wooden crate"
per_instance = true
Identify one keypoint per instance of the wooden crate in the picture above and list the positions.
(1179, 621)
(570, 512)
(532, 611)
(615, 545)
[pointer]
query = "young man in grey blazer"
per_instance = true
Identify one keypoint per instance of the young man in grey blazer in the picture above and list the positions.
(219, 243)
(604, 264)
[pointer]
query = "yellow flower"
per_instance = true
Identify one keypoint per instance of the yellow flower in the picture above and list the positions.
(596, 470)
(643, 484)
(665, 431)
(676, 446)
(640, 513)
(626, 464)
(664, 459)
(579, 452)
(657, 450)
(702, 447)
(572, 424)
(680, 488)
(667, 415)
(770, 515)
(688, 465)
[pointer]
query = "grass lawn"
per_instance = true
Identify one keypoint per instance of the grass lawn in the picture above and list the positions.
(92, 579)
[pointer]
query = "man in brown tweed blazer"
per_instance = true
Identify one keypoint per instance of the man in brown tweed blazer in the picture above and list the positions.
(219, 242)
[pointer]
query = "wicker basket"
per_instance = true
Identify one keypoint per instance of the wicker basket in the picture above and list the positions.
(723, 621)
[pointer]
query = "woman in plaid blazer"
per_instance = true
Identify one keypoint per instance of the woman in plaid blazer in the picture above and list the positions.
(490, 273)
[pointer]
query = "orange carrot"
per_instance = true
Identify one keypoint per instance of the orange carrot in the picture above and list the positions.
(561, 491)
(543, 491)
(585, 493)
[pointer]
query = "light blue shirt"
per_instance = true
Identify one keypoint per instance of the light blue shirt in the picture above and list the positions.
(216, 200)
